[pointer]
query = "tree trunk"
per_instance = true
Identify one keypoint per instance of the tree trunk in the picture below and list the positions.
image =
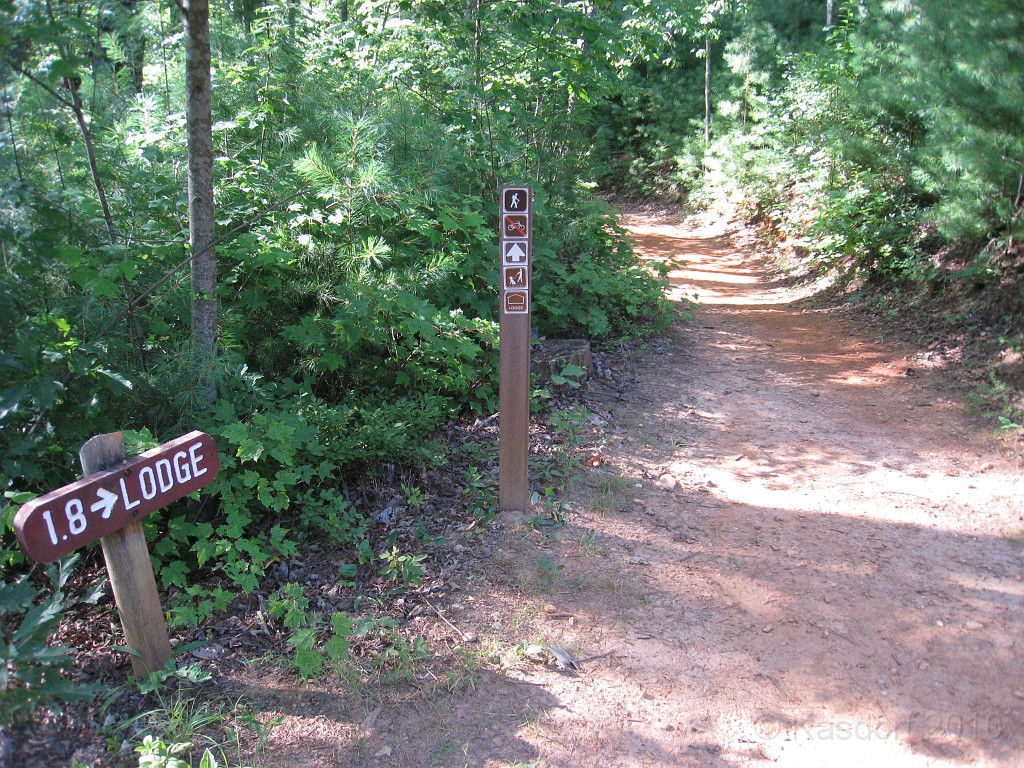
(707, 90)
(14, 139)
(830, 13)
(198, 85)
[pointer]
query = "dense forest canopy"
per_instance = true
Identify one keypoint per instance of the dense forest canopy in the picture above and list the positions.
(356, 153)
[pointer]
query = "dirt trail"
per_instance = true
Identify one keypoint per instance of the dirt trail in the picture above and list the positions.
(796, 551)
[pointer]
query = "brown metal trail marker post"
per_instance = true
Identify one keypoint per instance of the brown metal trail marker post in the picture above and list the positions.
(514, 247)
(108, 504)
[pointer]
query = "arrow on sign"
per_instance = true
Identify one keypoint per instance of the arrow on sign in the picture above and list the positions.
(106, 502)
(514, 253)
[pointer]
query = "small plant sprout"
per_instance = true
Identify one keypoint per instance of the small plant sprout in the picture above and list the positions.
(548, 571)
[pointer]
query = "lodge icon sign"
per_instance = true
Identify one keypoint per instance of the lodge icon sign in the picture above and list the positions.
(516, 302)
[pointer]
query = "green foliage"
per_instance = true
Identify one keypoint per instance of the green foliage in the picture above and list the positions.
(402, 568)
(960, 88)
(357, 156)
(173, 670)
(548, 571)
(869, 225)
(558, 469)
(647, 141)
(568, 377)
(185, 723)
(555, 512)
(414, 496)
(997, 400)
(588, 284)
(155, 753)
(314, 645)
(290, 607)
(32, 670)
(387, 339)
(480, 496)
(279, 485)
(396, 661)
(320, 645)
(311, 656)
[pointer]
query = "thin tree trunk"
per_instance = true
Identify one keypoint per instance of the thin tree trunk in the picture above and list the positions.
(830, 13)
(78, 110)
(198, 113)
(707, 90)
(56, 158)
(163, 56)
(14, 139)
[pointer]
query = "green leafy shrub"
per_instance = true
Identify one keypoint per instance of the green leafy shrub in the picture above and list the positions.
(320, 645)
(32, 671)
(587, 283)
(867, 225)
(388, 340)
(480, 496)
(402, 568)
(281, 482)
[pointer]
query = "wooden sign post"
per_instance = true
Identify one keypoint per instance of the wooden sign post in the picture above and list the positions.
(514, 247)
(108, 504)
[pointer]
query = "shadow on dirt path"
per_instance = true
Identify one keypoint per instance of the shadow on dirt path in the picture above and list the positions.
(828, 572)
(794, 549)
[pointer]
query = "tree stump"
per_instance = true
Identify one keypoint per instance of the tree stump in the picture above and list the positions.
(551, 356)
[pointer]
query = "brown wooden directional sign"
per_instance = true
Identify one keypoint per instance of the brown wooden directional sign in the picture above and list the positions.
(71, 517)
(514, 244)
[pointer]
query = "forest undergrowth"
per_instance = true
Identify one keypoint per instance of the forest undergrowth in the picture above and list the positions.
(357, 153)
(325, 609)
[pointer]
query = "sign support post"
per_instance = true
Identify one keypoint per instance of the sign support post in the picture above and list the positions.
(514, 247)
(130, 570)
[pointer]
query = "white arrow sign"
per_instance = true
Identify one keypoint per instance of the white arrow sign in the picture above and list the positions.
(106, 502)
(514, 254)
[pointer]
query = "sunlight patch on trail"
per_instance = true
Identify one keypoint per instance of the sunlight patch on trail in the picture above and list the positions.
(821, 486)
(836, 740)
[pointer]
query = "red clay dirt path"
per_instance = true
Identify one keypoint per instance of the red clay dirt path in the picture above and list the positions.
(796, 550)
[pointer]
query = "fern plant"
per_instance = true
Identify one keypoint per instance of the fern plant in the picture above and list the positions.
(33, 671)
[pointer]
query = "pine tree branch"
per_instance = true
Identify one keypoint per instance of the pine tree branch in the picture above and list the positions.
(174, 270)
(188, 260)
